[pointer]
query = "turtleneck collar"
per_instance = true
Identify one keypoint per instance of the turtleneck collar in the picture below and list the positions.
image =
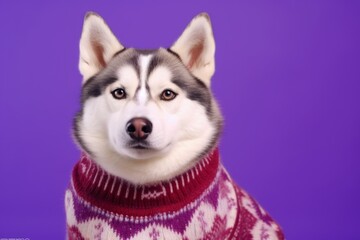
(117, 195)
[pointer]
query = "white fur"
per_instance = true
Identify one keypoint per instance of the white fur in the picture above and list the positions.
(181, 130)
(96, 34)
(181, 127)
(144, 65)
(199, 31)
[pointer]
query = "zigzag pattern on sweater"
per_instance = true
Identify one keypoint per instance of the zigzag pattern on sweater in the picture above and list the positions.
(219, 210)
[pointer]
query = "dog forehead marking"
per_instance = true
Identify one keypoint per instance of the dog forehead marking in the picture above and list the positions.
(144, 62)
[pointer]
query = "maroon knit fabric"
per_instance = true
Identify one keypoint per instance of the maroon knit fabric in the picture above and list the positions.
(202, 203)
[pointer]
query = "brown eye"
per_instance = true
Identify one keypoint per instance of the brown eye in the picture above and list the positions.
(118, 93)
(167, 95)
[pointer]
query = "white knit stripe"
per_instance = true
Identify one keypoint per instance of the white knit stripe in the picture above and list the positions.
(164, 189)
(192, 174)
(196, 170)
(206, 160)
(83, 167)
(187, 176)
(143, 192)
(107, 181)
(87, 171)
(200, 167)
(97, 171)
(177, 184)
(112, 187)
(182, 181)
(101, 178)
(171, 187)
(127, 191)
(203, 163)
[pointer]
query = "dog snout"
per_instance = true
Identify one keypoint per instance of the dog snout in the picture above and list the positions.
(139, 128)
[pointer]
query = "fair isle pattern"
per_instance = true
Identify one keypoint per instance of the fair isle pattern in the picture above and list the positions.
(203, 203)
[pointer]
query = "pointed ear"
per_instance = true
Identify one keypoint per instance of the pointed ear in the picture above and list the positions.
(196, 48)
(97, 45)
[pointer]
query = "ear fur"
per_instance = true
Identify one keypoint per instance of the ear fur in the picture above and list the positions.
(97, 45)
(196, 48)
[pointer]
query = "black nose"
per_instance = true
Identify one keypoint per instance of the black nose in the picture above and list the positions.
(139, 128)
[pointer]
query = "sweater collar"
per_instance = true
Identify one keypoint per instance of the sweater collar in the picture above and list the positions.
(115, 194)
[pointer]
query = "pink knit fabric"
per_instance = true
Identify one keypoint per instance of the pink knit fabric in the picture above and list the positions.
(202, 203)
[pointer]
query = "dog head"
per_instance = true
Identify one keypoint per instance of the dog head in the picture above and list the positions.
(147, 115)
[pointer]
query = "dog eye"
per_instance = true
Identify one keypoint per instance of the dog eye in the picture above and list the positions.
(119, 93)
(167, 95)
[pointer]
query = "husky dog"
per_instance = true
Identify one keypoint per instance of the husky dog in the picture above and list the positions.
(148, 128)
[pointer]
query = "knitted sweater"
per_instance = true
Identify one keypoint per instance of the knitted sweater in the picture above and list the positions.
(202, 203)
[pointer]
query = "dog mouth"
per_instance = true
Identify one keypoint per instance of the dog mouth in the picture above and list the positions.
(143, 150)
(139, 145)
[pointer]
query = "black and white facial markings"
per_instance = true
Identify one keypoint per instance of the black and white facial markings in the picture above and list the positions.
(147, 115)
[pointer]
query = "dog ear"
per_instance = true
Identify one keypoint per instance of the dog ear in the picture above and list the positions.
(196, 48)
(97, 45)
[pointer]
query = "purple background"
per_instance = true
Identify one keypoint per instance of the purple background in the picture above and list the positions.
(287, 79)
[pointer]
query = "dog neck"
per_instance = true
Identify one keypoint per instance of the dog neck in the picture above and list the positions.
(107, 191)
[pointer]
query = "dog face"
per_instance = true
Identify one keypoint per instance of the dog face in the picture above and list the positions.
(147, 115)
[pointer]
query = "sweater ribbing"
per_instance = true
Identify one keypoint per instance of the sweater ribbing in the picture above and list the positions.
(114, 194)
(202, 203)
